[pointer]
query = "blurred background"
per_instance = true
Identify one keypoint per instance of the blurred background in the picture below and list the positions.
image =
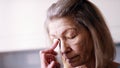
(22, 32)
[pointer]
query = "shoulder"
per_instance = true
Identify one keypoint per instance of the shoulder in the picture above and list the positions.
(116, 65)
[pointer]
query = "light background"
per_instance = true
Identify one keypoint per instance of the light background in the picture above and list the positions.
(21, 22)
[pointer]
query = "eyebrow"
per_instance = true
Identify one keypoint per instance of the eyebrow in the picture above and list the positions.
(64, 32)
(69, 30)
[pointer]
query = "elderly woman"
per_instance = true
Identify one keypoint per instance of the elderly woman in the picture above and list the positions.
(83, 37)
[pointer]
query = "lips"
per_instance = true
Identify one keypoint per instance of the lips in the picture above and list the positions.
(73, 59)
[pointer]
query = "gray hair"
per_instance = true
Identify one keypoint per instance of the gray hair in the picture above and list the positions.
(86, 13)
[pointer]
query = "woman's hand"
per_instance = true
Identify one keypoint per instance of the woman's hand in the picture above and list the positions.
(47, 57)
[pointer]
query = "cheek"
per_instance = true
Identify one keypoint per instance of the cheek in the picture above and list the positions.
(78, 44)
(82, 45)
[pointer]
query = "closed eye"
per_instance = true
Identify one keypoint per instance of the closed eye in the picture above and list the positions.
(71, 34)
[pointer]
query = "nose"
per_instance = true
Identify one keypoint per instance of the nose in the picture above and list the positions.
(64, 47)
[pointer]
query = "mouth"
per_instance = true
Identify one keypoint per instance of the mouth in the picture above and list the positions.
(73, 59)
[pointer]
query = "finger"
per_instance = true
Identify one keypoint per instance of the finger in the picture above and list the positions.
(54, 64)
(47, 61)
(56, 41)
(47, 51)
(51, 50)
(43, 60)
(57, 65)
(49, 58)
(51, 64)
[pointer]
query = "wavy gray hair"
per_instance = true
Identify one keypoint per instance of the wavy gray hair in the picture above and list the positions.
(86, 13)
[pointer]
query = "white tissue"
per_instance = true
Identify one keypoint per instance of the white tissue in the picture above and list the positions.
(59, 56)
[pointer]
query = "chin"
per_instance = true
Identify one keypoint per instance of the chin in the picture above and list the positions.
(75, 64)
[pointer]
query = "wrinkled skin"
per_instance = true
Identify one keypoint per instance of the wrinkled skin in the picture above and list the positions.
(76, 44)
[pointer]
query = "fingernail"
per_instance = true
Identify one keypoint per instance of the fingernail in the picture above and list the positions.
(55, 40)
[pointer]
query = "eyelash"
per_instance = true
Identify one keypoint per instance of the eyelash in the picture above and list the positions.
(72, 36)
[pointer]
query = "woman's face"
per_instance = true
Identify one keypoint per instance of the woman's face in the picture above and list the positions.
(76, 44)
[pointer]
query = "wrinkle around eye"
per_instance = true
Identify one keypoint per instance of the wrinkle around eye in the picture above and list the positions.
(71, 34)
(72, 37)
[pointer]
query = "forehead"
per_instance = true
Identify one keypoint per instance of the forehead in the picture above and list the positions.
(60, 25)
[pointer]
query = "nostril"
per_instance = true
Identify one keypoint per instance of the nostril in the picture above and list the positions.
(68, 50)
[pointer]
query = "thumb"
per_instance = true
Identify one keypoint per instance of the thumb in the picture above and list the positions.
(54, 64)
(51, 65)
